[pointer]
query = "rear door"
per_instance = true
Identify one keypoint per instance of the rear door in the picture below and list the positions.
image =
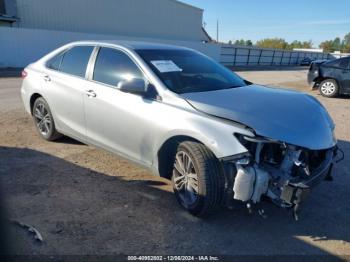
(64, 83)
(345, 74)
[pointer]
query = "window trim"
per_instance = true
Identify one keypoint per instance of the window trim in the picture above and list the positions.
(91, 66)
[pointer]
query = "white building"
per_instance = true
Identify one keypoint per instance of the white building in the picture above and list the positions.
(314, 50)
(169, 19)
(34, 27)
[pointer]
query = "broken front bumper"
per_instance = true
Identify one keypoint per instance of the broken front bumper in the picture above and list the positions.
(257, 178)
(295, 193)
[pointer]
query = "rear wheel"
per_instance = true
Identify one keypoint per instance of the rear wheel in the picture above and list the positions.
(328, 88)
(196, 178)
(43, 120)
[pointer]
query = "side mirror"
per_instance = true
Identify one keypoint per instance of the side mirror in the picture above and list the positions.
(134, 86)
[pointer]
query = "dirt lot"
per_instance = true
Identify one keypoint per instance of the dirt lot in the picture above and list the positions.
(86, 201)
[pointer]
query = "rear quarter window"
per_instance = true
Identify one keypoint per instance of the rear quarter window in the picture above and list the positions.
(55, 62)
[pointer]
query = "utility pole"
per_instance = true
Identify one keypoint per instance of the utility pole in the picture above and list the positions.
(217, 31)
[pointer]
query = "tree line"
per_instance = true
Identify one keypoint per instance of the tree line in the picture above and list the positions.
(336, 44)
(276, 43)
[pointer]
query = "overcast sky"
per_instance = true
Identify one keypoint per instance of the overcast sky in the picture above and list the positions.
(304, 20)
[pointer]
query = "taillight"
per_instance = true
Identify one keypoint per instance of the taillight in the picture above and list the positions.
(24, 74)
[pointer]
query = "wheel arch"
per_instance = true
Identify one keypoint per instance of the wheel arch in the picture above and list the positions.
(218, 137)
(323, 78)
(166, 153)
(32, 99)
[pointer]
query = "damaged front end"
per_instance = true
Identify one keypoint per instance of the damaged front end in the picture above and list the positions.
(279, 172)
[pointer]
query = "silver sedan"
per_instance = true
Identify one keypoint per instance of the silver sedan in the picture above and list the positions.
(219, 138)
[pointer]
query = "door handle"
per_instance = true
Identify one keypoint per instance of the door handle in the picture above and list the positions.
(91, 93)
(47, 78)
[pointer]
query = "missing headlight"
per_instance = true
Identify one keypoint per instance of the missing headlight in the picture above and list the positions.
(275, 167)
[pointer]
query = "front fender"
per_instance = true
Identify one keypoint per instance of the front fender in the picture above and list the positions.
(216, 134)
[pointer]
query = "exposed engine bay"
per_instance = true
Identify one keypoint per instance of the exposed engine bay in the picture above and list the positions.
(278, 172)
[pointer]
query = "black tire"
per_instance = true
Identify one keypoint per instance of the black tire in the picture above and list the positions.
(40, 112)
(329, 88)
(209, 179)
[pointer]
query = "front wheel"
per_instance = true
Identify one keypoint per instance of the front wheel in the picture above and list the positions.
(43, 120)
(196, 178)
(328, 88)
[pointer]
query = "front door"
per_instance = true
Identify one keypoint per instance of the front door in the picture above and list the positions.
(345, 75)
(115, 120)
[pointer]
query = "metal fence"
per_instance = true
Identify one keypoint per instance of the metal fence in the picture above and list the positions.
(232, 55)
(21, 46)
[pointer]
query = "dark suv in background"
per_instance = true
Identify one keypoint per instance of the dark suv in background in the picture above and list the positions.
(332, 78)
(307, 61)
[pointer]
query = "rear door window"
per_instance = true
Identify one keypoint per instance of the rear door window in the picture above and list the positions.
(113, 66)
(344, 63)
(339, 63)
(75, 60)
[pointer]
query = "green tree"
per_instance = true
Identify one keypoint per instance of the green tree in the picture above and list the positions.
(295, 44)
(327, 46)
(244, 42)
(346, 48)
(299, 44)
(346, 43)
(248, 43)
(337, 44)
(307, 44)
(347, 39)
(240, 42)
(277, 43)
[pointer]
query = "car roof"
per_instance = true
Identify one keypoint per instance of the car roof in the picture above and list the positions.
(338, 59)
(135, 45)
(321, 61)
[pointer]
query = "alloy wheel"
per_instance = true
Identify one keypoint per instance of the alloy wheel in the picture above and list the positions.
(185, 178)
(43, 119)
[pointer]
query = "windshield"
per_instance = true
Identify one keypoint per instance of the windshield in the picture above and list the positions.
(186, 71)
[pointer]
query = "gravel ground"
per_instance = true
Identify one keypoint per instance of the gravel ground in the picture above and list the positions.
(87, 201)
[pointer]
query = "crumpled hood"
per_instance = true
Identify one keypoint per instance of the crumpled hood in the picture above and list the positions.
(288, 116)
